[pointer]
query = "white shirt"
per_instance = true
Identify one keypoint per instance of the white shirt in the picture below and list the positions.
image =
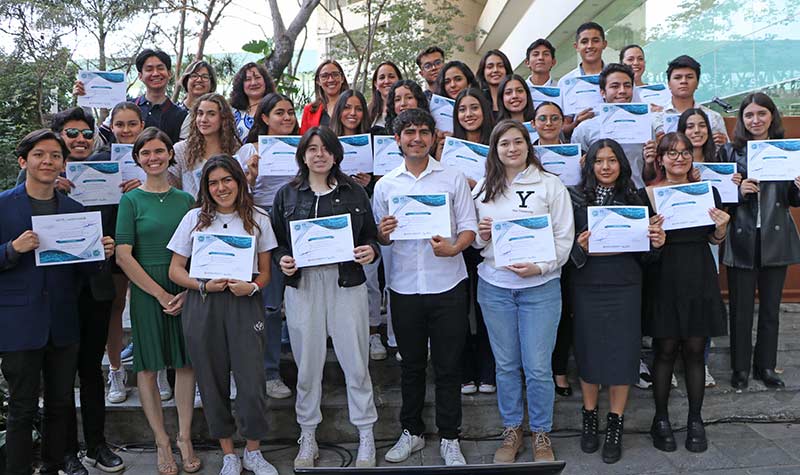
(531, 193)
(549, 83)
(717, 124)
(181, 242)
(189, 176)
(415, 269)
(266, 186)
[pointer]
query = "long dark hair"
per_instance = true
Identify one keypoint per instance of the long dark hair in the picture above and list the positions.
(244, 200)
(667, 143)
(709, 149)
(502, 112)
(488, 115)
(341, 103)
(331, 142)
(265, 107)
(495, 182)
(624, 183)
(468, 75)
(416, 91)
(740, 133)
(480, 75)
(239, 99)
(376, 103)
(320, 98)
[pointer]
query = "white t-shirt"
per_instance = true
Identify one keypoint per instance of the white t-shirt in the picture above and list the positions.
(266, 186)
(181, 242)
(190, 178)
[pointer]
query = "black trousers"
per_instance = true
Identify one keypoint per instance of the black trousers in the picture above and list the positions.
(440, 317)
(478, 359)
(94, 331)
(25, 371)
(560, 358)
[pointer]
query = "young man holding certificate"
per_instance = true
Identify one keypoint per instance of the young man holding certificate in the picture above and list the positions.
(424, 211)
(590, 42)
(39, 323)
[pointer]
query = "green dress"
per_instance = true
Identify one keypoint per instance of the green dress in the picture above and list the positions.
(147, 223)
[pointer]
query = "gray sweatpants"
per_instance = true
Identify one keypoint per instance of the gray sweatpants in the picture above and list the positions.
(223, 334)
(318, 307)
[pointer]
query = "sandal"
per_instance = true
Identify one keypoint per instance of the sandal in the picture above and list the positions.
(191, 463)
(168, 467)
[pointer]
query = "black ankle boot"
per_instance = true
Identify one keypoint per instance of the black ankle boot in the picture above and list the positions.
(696, 436)
(612, 447)
(663, 438)
(589, 440)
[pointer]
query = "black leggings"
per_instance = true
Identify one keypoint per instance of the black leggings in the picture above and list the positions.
(666, 350)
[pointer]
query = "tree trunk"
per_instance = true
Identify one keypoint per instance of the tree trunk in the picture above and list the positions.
(181, 44)
(285, 38)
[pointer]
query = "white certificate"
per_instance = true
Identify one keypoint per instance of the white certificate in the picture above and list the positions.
(523, 240)
(684, 206)
(581, 92)
(773, 160)
(442, 112)
(420, 216)
(618, 228)
(68, 238)
(321, 241)
(122, 153)
(720, 175)
(541, 94)
(629, 123)
(96, 183)
(531, 131)
(357, 154)
(658, 94)
(671, 122)
(222, 256)
(386, 154)
(104, 89)
(467, 157)
(276, 155)
(563, 160)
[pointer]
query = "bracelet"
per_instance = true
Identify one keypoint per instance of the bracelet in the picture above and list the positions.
(256, 288)
(202, 290)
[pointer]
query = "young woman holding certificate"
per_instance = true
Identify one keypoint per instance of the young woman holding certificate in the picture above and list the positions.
(606, 297)
(514, 99)
(331, 298)
(222, 316)
(146, 221)
(683, 305)
(763, 241)
(275, 115)
(521, 303)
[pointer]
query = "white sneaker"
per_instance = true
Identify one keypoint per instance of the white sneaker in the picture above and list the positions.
(469, 388)
(645, 379)
(233, 390)
(198, 401)
(231, 465)
(710, 381)
(485, 388)
(308, 453)
(376, 349)
(116, 386)
(398, 357)
(366, 450)
(451, 452)
(405, 446)
(674, 381)
(164, 389)
(254, 461)
(276, 389)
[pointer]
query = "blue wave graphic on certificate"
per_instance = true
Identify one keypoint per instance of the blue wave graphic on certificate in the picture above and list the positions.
(103, 88)
(528, 239)
(532, 132)
(684, 206)
(96, 183)
(357, 154)
(562, 160)
(466, 157)
(773, 160)
(386, 154)
(420, 216)
(547, 91)
(356, 140)
(618, 228)
(277, 155)
(580, 93)
(720, 175)
(590, 78)
(658, 94)
(442, 112)
(68, 238)
(105, 168)
(216, 256)
(626, 123)
(321, 241)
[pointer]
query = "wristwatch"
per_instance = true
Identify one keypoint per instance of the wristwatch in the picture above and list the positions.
(256, 288)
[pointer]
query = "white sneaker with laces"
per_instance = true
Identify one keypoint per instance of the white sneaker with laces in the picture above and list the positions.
(164, 389)
(405, 446)
(469, 388)
(376, 349)
(645, 379)
(366, 449)
(277, 389)
(485, 388)
(116, 386)
(450, 450)
(254, 461)
(710, 381)
(308, 453)
(231, 465)
(233, 389)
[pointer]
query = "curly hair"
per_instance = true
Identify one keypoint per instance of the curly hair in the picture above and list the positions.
(228, 139)
(416, 91)
(244, 205)
(239, 99)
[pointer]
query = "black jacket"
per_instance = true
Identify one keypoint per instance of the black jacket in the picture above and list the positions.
(292, 204)
(780, 243)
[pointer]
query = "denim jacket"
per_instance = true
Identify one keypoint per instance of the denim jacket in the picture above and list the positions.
(295, 203)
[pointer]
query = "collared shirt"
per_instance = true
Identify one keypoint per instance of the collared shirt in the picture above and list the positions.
(166, 116)
(717, 123)
(415, 269)
(549, 83)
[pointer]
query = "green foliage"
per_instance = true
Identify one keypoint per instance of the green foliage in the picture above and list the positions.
(296, 88)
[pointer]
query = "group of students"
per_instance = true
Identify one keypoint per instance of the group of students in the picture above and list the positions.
(201, 163)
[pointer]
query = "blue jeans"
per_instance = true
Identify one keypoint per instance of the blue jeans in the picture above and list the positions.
(522, 325)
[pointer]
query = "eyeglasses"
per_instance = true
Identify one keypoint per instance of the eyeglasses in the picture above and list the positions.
(333, 75)
(73, 133)
(552, 118)
(432, 64)
(674, 154)
(202, 77)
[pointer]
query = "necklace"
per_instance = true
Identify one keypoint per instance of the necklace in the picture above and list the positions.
(225, 223)
(161, 196)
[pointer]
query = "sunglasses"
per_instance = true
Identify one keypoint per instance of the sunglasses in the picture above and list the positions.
(73, 133)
